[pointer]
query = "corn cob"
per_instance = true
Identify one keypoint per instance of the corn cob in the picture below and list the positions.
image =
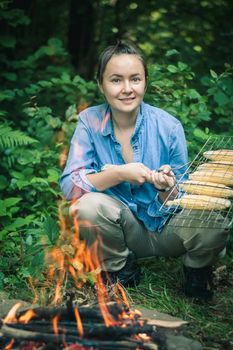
(221, 154)
(220, 165)
(216, 176)
(207, 188)
(199, 202)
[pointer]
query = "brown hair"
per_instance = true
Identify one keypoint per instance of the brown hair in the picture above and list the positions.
(119, 49)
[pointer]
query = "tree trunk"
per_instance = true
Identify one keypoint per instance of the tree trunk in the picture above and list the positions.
(81, 43)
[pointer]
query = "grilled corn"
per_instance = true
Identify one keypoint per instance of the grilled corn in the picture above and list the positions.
(220, 165)
(221, 154)
(215, 176)
(200, 202)
(207, 188)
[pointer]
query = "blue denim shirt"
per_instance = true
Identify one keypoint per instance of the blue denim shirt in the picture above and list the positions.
(158, 139)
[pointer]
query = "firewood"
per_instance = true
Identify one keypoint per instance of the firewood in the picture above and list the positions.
(90, 330)
(11, 332)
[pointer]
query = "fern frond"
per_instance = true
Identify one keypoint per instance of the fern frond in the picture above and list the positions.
(13, 138)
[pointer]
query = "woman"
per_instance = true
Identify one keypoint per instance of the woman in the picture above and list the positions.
(120, 171)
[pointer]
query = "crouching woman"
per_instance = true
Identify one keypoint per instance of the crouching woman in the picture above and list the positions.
(120, 171)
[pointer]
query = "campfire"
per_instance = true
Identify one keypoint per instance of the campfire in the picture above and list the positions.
(82, 328)
(108, 324)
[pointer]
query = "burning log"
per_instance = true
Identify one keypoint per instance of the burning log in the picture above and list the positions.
(12, 333)
(57, 326)
(85, 312)
(90, 330)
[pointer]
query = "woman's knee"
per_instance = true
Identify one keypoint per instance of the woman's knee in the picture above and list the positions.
(214, 238)
(207, 239)
(86, 207)
(202, 230)
(94, 206)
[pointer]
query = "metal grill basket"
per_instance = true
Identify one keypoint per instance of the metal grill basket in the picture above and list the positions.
(205, 199)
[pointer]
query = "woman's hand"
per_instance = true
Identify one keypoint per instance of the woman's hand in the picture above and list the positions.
(163, 178)
(134, 173)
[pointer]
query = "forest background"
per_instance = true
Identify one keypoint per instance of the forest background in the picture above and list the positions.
(49, 52)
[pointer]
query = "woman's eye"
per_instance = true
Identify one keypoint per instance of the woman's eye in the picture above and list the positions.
(136, 79)
(116, 80)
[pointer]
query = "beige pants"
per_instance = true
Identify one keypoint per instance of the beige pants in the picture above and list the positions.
(118, 231)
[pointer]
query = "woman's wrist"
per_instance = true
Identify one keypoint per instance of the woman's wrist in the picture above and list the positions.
(117, 171)
(172, 192)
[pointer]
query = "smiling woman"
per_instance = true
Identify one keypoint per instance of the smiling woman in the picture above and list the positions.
(123, 85)
(119, 173)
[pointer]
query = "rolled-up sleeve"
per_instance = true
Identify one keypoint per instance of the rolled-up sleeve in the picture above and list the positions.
(80, 162)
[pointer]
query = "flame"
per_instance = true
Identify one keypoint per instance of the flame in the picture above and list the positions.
(124, 297)
(25, 318)
(79, 322)
(72, 258)
(36, 294)
(61, 220)
(102, 294)
(55, 324)
(131, 317)
(143, 336)
(9, 345)
(11, 316)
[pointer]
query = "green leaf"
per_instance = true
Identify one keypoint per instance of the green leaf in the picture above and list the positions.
(7, 95)
(193, 94)
(66, 77)
(17, 175)
(17, 224)
(200, 134)
(37, 264)
(213, 74)
(3, 211)
(10, 76)
(10, 202)
(24, 272)
(38, 180)
(221, 98)
(171, 68)
(13, 210)
(53, 175)
(3, 182)
(172, 52)
(71, 113)
(13, 138)
(45, 83)
(7, 41)
(182, 66)
(51, 229)
(29, 240)
(22, 183)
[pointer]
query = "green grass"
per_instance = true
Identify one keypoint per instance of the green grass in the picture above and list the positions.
(209, 323)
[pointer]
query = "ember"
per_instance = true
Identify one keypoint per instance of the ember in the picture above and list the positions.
(59, 328)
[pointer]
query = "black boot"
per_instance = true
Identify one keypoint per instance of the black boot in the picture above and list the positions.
(128, 276)
(198, 283)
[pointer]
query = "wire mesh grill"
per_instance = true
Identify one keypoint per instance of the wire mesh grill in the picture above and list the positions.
(205, 199)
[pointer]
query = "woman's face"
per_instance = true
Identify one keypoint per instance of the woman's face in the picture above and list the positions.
(124, 83)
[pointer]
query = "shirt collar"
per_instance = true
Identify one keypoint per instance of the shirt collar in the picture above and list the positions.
(107, 126)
